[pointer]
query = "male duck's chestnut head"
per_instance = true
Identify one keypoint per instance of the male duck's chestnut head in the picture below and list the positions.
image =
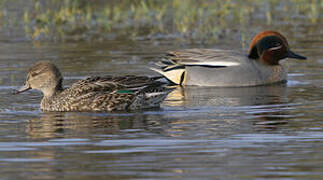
(271, 47)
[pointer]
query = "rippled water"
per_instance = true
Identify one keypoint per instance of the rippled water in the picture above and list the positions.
(226, 133)
(212, 133)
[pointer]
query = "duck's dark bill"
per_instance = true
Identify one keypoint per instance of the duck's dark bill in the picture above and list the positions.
(22, 89)
(291, 54)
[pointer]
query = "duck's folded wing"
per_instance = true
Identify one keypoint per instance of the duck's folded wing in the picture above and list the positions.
(172, 66)
(203, 57)
(112, 83)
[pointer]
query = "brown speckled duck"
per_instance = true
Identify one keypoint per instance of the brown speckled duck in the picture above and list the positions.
(106, 93)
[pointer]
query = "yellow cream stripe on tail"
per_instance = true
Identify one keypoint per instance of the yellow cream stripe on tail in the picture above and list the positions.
(174, 75)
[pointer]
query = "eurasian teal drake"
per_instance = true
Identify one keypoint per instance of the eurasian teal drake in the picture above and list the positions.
(226, 68)
(106, 93)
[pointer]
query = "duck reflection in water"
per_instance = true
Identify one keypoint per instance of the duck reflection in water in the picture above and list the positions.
(76, 124)
(268, 105)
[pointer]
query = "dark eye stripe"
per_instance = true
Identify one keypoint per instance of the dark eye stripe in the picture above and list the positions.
(35, 73)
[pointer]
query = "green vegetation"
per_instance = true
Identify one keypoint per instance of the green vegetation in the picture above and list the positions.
(203, 20)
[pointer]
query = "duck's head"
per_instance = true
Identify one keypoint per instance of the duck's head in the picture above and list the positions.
(43, 76)
(271, 47)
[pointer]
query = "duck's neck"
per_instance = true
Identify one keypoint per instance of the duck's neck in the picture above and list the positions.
(50, 92)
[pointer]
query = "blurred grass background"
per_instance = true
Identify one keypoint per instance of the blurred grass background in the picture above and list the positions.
(198, 20)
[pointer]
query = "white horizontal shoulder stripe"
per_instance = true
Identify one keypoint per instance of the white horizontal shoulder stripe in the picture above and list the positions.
(216, 63)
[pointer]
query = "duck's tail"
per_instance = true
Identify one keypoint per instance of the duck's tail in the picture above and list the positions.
(151, 96)
(172, 71)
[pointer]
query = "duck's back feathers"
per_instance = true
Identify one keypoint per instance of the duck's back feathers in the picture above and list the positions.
(173, 64)
(108, 93)
(203, 57)
(110, 83)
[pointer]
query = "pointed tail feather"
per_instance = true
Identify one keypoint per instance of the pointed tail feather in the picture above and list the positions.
(150, 99)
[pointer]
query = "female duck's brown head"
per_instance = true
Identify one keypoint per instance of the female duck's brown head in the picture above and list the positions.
(43, 76)
(271, 47)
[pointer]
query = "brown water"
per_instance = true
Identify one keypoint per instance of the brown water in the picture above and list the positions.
(269, 132)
